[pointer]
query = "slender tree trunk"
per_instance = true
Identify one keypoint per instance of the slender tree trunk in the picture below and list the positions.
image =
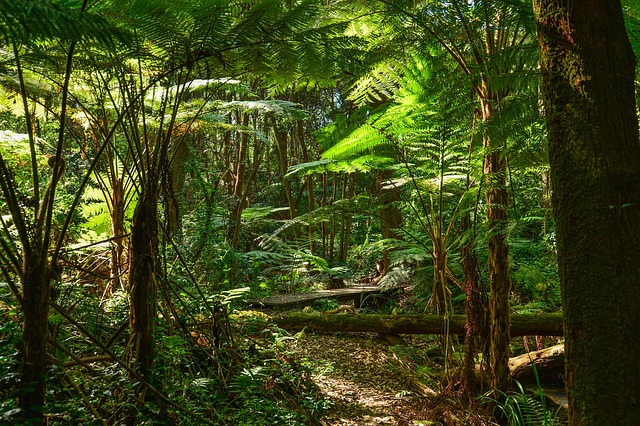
(323, 225)
(440, 295)
(117, 231)
(240, 187)
(333, 230)
(174, 181)
(310, 187)
(473, 309)
(281, 145)
(242, 202)
(588, 70)
(497, 198)
(390, 214)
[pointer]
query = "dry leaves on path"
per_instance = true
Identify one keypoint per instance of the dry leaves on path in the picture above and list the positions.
(361, 376)
(369, 385)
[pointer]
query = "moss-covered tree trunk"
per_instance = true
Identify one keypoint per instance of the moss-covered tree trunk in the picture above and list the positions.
(588, 79)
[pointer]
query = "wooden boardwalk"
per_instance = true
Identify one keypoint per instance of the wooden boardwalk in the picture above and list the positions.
(355, 294)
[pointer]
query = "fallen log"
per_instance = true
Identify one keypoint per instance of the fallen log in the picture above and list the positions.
(521, 324)
(548, 363)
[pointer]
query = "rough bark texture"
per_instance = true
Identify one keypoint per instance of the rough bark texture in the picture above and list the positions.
(36, 290)
(473, 309)
(497, 199)
(542, 324)
(37, 275)
(142, 281)
(117, 213)
(588, 82)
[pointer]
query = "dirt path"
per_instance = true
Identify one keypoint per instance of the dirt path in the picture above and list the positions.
(369, 385)
(360, 376)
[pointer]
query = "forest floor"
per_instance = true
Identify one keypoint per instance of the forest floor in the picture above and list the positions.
(370, 383)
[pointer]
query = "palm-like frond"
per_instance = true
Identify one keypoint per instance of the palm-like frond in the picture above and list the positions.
(29, 21)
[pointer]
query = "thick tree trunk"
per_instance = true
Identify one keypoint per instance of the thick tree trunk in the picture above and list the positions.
(36, 284)
(588, 70)
(522, 325)
(174, 181)
(142, 280)
(37, 275)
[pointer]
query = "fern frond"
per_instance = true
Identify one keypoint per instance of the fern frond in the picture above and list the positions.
(31, 21)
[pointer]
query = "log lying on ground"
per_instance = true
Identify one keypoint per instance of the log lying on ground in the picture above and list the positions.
(548, 363)
(521, 324)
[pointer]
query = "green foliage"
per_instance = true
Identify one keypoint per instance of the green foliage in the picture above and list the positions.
(274, 387)
(325, 304)
(10, 336)
(520, 408)
(31, 21)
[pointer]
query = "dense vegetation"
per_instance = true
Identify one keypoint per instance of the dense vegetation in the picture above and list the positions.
(162, 162)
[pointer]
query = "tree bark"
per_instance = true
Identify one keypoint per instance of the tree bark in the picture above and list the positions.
(522, 325)
(36, 284)
(390, 214)
(588, 70)
(473, 308)
(497, 199)
(310, 187)
(117, 215)
(142, 281)
(283, 160)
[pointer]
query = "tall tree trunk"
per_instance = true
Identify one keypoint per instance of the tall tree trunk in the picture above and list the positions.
(281, 145)
(473, 309)
(240, 186)
(117, 212)
(497, 198)
(390, 214)
(142, 278)
(323, 224)
(37, 275)
(310, 187)
(242, 202)
(440, 294)
(174, 179)
(588, 70)
(36, 283)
